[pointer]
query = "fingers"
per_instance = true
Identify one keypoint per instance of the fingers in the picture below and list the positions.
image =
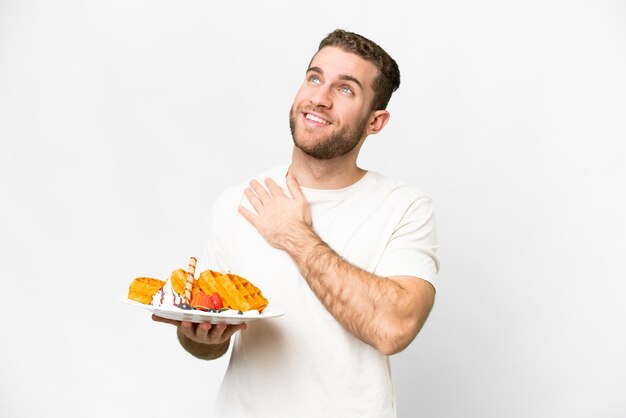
(274, 188)
(250, 217)
(257, 194)
(202, 331)
(233, 329)
(259, 191)
(207, 333)
(295, 190)
(254, 200)
(196, 332)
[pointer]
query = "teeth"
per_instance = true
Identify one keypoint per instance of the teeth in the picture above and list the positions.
(316, 119)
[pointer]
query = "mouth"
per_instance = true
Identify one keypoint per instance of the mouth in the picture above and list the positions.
(316, 119)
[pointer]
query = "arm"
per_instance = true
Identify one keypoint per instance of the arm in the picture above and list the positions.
(386, 313)
(204, 341)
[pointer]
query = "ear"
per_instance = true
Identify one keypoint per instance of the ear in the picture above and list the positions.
(378, 120)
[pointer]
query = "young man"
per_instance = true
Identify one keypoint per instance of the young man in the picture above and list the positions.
(348, 254)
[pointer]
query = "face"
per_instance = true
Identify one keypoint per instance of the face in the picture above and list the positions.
(331, 112)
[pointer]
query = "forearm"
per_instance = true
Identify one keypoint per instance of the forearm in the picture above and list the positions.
(385, 312)
(377, 310)
(202, 351)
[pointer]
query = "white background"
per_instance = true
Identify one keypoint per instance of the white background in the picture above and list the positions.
(121, 120)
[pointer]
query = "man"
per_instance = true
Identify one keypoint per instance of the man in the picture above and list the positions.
(348, 254)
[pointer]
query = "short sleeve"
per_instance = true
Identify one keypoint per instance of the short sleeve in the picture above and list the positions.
(412, 247)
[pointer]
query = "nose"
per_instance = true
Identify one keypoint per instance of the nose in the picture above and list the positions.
(321, 96)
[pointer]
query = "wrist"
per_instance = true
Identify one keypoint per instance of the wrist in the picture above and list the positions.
(301, 242)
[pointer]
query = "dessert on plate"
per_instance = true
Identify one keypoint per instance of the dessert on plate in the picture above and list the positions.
(211, 291)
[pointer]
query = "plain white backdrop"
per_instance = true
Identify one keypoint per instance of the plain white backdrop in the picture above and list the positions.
(121, 120)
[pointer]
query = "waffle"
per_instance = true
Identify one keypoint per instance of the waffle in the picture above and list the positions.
(237, 293)
(178, 279)
(143, 288)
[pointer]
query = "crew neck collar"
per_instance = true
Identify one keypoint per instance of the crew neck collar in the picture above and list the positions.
(311, 192)
(285, 171)
(354, 186)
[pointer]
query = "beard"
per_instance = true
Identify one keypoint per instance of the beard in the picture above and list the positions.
(335, 145)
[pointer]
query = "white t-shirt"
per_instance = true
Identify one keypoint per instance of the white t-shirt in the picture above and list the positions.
(305, 364)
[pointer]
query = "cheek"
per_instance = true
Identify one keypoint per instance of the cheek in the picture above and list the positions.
(300, 95)
(353, 114)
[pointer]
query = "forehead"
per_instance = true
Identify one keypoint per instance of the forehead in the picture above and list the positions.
(336, 62)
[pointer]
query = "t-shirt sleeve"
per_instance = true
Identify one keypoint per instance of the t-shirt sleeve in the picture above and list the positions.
(411, 249)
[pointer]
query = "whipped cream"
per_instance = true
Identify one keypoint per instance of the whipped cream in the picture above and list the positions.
(167, 296)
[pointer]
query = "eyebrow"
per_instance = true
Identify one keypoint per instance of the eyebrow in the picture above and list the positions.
(344, 77)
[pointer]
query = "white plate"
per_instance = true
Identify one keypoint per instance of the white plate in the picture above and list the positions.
(229, 318)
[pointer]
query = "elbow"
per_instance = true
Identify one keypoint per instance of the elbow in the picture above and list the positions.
(393, 346)
(397, 338)
(399, 326)
(390, 349)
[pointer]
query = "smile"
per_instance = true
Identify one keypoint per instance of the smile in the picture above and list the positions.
(316, 119)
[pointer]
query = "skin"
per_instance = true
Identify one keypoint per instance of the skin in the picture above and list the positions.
(204, 341)
(384, 312)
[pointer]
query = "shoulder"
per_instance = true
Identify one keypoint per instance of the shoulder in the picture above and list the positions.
(397, 190)
(234, 194)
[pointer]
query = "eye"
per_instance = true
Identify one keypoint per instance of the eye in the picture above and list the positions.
(346, 90)
(314, 79)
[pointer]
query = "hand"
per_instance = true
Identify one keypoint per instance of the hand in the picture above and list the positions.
(280, 219)
(204, 333)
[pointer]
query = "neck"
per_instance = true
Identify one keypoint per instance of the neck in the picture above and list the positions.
(324, 174)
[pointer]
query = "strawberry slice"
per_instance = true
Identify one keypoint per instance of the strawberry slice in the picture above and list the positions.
(202, 301)
(217, 301)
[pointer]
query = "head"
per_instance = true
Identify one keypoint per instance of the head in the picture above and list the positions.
(388, 79)
(344, 95)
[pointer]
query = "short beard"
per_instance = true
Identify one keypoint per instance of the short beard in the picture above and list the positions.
(337, 145)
